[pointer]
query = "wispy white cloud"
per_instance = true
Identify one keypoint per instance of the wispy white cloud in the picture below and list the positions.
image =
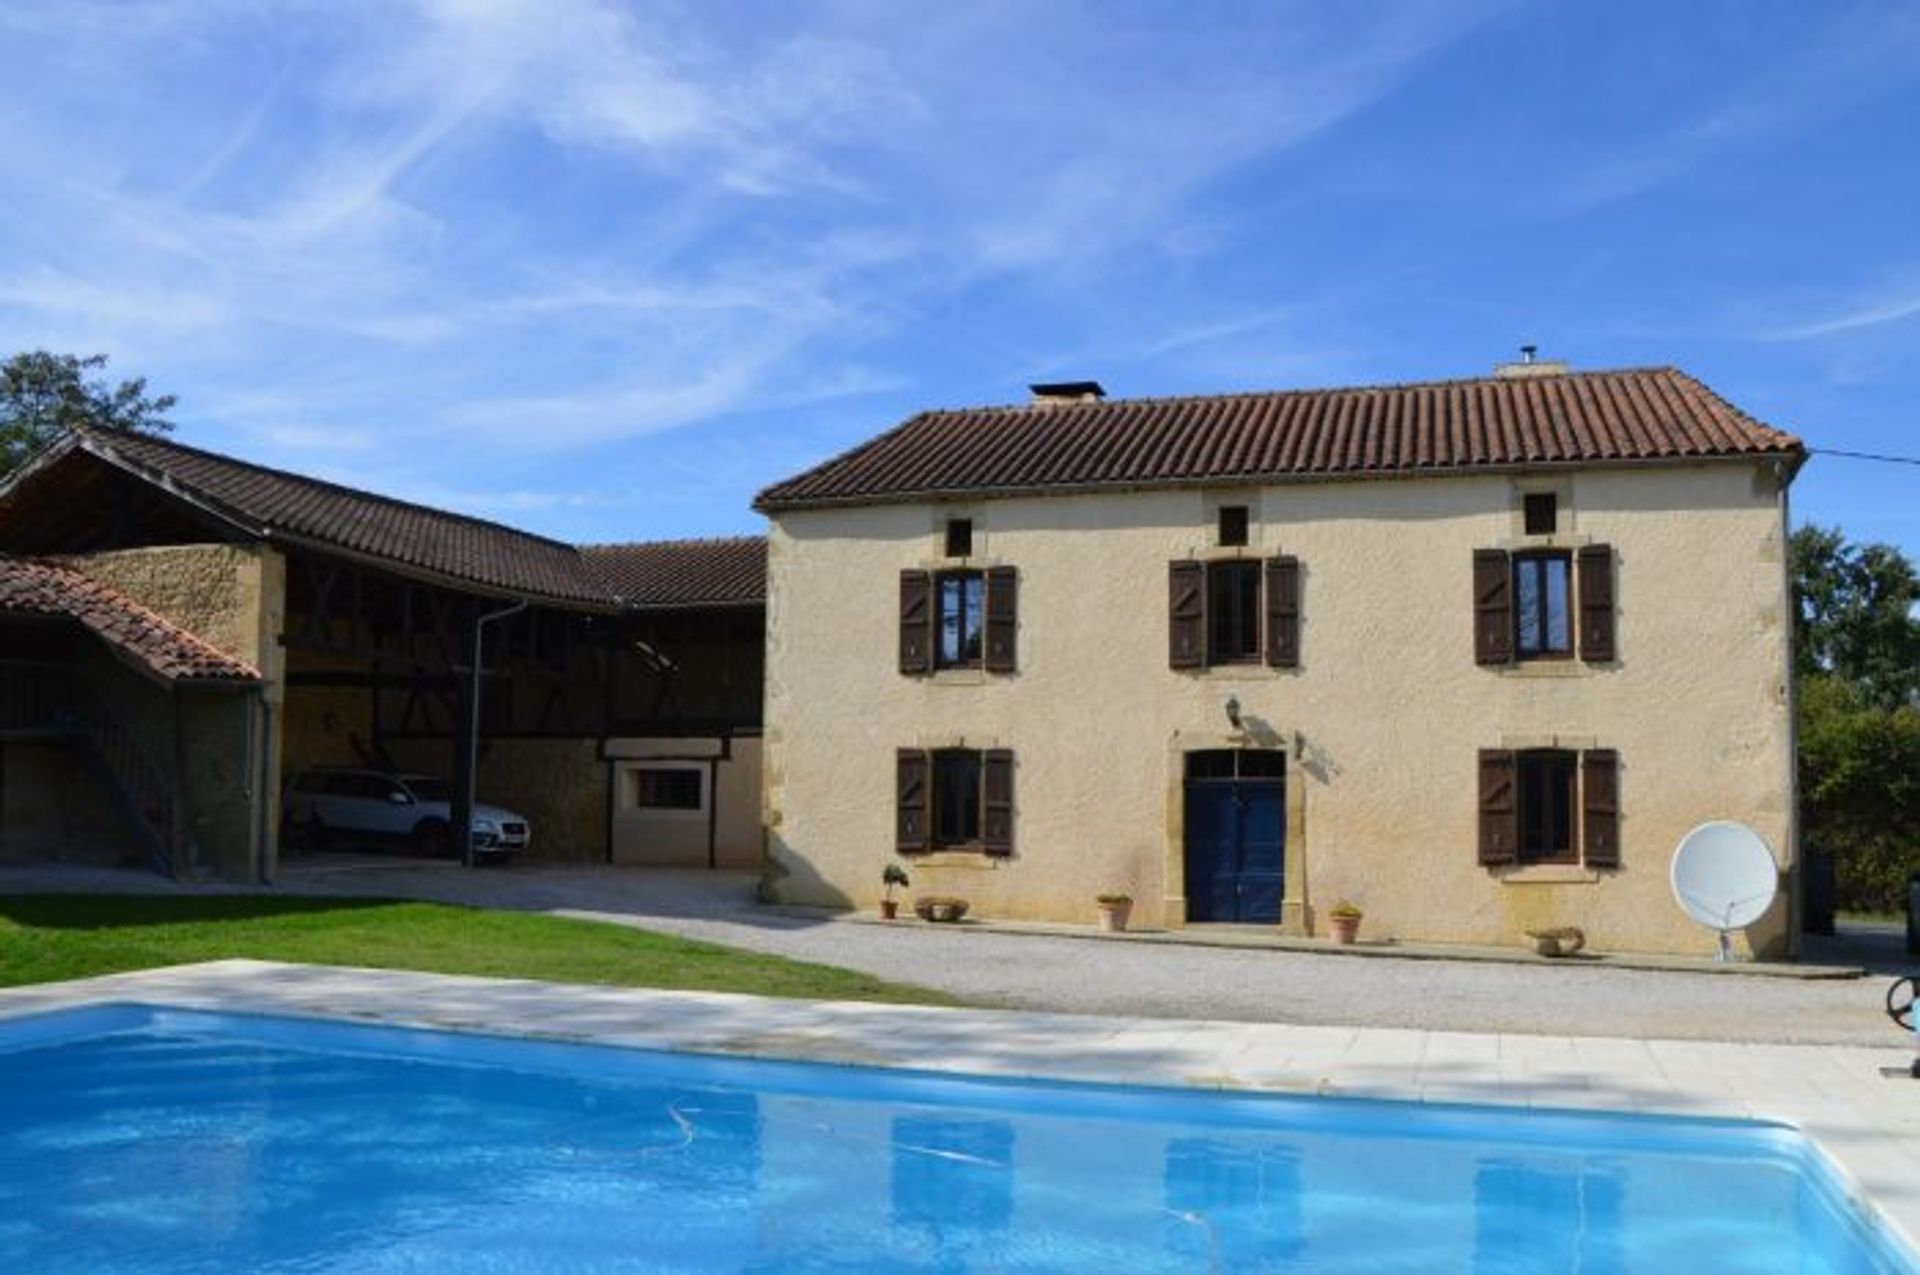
(349, 235)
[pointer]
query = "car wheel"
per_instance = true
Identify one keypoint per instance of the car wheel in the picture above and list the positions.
(430, 838)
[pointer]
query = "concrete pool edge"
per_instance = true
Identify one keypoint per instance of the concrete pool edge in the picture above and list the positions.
(1866, 1124)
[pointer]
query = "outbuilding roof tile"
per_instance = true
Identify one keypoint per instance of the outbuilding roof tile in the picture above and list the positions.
(146, 638)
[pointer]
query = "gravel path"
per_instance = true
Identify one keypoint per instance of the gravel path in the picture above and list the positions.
(1154, 980)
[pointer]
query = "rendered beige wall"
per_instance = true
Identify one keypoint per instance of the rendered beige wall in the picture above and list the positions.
(679, 838)
(1381, 723)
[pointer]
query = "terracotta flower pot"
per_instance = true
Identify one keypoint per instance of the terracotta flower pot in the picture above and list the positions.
(889, 909)
(1114, 916)
(1345, 928)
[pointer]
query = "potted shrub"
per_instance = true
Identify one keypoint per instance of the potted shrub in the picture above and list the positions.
(1345, 919)
(1114, 911)
(893, 875)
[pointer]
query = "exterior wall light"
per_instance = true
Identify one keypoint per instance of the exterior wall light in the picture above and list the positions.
(1233, 711)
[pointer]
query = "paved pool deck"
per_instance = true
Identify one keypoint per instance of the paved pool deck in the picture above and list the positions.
(1856, 1103)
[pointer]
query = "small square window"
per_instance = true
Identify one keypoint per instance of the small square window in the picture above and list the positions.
(1233, 525)
(1542, 513)
(664, 788)
(959, 537)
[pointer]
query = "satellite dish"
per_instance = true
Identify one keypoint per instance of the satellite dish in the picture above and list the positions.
(1724, 877)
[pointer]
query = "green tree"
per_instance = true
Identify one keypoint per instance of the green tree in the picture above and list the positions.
(44, 395)
(1857, 657)
(1854, 615)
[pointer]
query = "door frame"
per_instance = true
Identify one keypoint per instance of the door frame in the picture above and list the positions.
(1295, 912)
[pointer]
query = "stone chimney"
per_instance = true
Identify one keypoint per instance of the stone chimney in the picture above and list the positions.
(1530, 365)
(1056, 393)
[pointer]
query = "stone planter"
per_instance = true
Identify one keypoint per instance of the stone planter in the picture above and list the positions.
(935, 907)
(1346, 929)
(1115, 915)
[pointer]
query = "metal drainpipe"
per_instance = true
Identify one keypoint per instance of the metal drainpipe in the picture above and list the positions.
(470, 780)
(264, 831)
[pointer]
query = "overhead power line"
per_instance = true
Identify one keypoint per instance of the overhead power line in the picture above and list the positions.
(1884, 460)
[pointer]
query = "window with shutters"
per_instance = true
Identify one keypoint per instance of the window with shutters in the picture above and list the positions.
(1524, 605)
(1233, 612)
(1542, 605)
(960, 599)
(1544, 796)
(1549, 806)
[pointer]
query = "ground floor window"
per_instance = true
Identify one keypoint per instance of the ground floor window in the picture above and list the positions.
(1550, 805)
(956, 797)
(1546, 795)
(667, 788)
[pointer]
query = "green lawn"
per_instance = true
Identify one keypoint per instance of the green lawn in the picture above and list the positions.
(44, 938)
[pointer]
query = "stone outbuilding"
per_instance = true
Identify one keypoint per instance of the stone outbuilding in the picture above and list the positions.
(619, 704)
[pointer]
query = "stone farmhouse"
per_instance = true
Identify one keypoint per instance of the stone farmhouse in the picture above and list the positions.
(1471, 655)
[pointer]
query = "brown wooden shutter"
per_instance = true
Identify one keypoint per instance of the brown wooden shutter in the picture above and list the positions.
(916, 622)
(996, 801)
(1499, 808)
(1003, 620)
(1187, 615)
(1600, 804)
(1596, 604)
(1283, 612)
(913, 788)
(1492, 607)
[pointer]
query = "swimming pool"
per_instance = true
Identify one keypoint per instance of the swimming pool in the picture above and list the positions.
(143, 1140)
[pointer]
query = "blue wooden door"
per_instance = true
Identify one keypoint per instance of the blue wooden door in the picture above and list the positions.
(1236, 850)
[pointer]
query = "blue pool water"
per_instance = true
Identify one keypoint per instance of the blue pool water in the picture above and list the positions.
(151, 1140)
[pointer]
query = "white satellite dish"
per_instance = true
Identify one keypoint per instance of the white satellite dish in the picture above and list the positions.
(1724, 877)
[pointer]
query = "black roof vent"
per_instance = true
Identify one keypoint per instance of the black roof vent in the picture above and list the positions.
(1048, 392)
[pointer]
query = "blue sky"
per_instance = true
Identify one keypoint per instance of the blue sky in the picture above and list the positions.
(603, 270)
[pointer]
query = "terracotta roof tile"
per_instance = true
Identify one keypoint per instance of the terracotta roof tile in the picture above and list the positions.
(461, 549)
(679, 573)
(150, 640)
(1576, 418)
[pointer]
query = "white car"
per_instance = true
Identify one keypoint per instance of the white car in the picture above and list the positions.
(326, 802)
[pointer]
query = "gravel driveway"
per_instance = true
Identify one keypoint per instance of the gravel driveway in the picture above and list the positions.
(1156, 980)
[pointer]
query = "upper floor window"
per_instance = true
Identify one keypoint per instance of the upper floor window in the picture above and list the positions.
(1541, 512)
(1233, 612)
(1233, 525)
(1239, 611)
(961, 599)
(1525, 604)
(959, 537)
(958, 620)
(1542, 620)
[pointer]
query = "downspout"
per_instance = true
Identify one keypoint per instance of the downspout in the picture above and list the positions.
(1790, 615)
(264, 863)
(470, 779)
